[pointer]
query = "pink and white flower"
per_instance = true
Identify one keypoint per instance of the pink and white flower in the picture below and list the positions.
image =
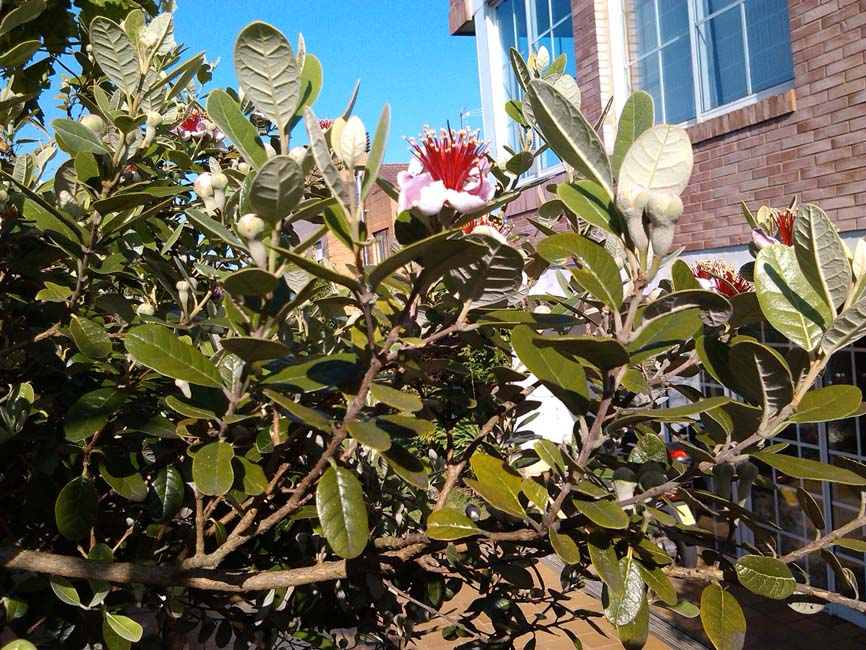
(449, 169)
(194, 126)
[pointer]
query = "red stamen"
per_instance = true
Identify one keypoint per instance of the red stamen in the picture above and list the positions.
(449, 157)
(722, 276)
(785, 227)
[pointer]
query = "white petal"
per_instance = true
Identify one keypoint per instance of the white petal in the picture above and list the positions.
(464, 201)
(432, 199)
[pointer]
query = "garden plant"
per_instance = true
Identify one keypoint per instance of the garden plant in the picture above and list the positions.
(205, 434)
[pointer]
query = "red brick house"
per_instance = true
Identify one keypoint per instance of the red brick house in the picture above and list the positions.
(773, 95)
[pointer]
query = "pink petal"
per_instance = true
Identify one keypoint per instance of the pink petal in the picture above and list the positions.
(464, 201)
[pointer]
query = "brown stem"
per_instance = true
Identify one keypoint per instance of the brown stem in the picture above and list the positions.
(825, 540)
(51, 331)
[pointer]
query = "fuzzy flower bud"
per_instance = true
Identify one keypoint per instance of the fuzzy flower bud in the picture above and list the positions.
(145, 309)
(154, 119)
(298, 154)
(250, 226)
(94, 123)
(203, 184)
(219, 181)
(182, 285)
(244, 168)
(761, 239)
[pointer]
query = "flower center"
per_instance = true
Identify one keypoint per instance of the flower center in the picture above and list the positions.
(723, 276)
(452, 157)
(785, 227)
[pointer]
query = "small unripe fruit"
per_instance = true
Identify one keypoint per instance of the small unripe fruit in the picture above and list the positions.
(182, 285)
(154, 119)
(664, 206)
(145, 309)
(203, 184)
(244, 168)
(94, 123)
(250, 226)
(219, 181)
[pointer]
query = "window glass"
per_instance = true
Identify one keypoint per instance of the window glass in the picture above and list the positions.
(723, 59)
(645, 75)
(541, 8)
(563, 43)
(770, 61)
(673, 19)
(679, 86)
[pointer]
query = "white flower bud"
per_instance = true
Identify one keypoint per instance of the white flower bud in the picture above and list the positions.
(244, 168)
(353, 142)
(250, 226)
(219, 181)
(145, 309)
(182, 285)
(203, 184)
(269, 150)
(154, 118)
(148, 38)
(184, 387)
(94, 123)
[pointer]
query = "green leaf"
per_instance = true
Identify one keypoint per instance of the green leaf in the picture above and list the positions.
(213, 229)
(858, 545)
(115, 54)
(19, 14)
(568, 134)
(165, 496)
(657, 580)
(227, 115)
(303, 414)
(682, 413)
(73, 137)
(324, 161)
(821, 255)
(808, 469)
(20, 53)
(564, 546)
(398, 399)
(765, 576)
(369, 434)
(661, 334)
(406, 465)
(497, 484)
(638, 115)
(315, 373)
(250, 475)
(763, 377)
(535, 492)
(311, 86)
(604, 561)
(113, 641)
(251, 281)
(849, 326)
(604, 513)
(91, 412)
(319, 270)
(550, 454)
(449, 524)
(277, 188)
(252, 349)
(124, 480)
(722, 619)
(212, 469)
(659, 159)
(65, 591)
(76, 507)
(377, 152)
(649, 448)
(597, 271)
(124, 627)
(404, 256)
(590, 202)
(682, 277)
(342, 512)
(683, 608)
(492, 279)
(158, 348)
(623, 606)
(715, 309)
(267, 70)
(564, 376)
(603, 353)
(19, 644)
(90, 338)
(827, 404)
(634, 634)
(787, 299)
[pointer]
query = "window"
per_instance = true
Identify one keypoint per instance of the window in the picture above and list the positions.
(379, 249)
(697, 56)
(526, 25)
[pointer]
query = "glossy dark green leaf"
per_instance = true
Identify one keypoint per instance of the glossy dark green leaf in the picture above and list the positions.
(411, 253)
(277, 188)
(715, 308)
(124, 627)
(65, 591)
(603, 353)
(124, 480)
(90, 337)
(763, 377)
(214, 229)
(113, 641)
(251, 281)
(722, 618)
(157, 347)
(165, 495)
(682, 277)
(407, 466)
(787, 298)
(649, 448)
(227, 115)
(251, 476)
(212, 468)
(634, 634)
(606, 564)
(597, 271)
(76, 507)
(604, 513)
(550, 454)
(398, 399)
(497, 483)
(535, 492)
(342, 512)
(808, 469)
(765, 576)
(663, 333)
(827, 404)
(377, 152)
(301, 413)
(449, 524)
(252, 349)
(311, 374)
(319, 270)
(658, 581)
(492, 279)
(821, 255)
(623, 606)
(91, 412)
(858, 545)
(369, 434)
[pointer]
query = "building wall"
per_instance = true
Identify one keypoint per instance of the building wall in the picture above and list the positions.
(808, 142)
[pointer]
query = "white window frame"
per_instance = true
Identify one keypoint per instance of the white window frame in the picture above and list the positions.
(490, 73)
(620, 63)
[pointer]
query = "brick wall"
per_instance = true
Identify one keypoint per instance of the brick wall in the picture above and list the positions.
(809, 142)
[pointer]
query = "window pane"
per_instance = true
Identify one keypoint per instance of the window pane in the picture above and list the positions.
(563, 43)
(645, 76)
(561, 9)
(723, 59)
(708, 7)
(641, 27)
(770, 60)
(505, 17)
(673, 19)
(520, 28)
(541, 8)
(679, 84)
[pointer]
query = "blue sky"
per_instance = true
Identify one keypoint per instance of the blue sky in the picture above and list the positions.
(400, 50)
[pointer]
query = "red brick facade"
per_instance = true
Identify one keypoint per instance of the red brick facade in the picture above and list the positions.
(808, 142)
